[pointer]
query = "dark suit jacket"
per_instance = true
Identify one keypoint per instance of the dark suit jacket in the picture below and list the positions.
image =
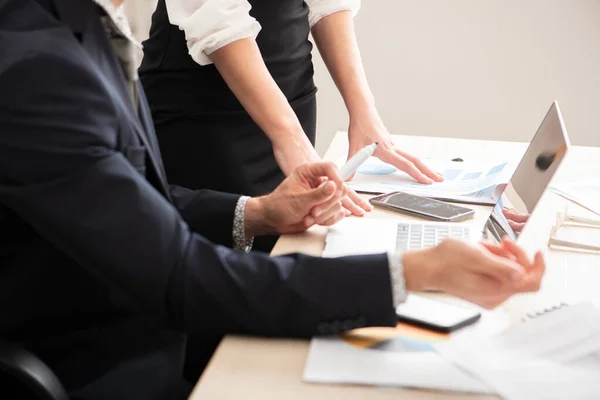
(103, 266)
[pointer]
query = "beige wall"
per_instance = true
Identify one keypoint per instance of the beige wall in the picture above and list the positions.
(470, 68)
(476, 68)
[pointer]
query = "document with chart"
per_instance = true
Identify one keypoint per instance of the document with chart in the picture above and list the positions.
(401, 356)
(472, 182)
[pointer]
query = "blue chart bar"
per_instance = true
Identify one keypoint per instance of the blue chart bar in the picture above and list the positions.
(486, 193)
(496, 169)
(472, 175)
(451, 174)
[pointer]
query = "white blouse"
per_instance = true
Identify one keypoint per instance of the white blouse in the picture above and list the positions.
(212, 24)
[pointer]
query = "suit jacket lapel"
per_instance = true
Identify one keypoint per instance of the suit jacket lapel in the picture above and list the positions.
(145, 117)
(144, 132)
(76, 15)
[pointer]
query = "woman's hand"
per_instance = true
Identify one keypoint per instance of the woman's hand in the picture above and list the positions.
(368, 128)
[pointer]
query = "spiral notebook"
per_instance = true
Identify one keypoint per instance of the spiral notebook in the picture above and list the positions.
(542, 311)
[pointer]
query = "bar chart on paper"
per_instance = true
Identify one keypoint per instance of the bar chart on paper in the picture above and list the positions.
(401, 356)
(472, 182)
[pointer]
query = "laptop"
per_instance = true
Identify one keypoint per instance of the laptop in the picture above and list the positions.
(514, 203)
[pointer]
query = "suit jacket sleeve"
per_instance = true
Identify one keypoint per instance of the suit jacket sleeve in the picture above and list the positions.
(207, 212)
(61, 171)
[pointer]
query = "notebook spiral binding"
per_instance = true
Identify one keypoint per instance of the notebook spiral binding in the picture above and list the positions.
(535, 314)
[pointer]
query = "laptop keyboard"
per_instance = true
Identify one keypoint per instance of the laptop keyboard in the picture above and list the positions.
(415, 236)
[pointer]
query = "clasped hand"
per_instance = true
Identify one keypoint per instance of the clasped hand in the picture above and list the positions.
(292, 154)
(312, 194)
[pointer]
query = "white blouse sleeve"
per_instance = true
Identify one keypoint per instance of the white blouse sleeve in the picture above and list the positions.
(322, 8)
(211, 24)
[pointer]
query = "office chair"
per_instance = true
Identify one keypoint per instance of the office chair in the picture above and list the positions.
(24, 376)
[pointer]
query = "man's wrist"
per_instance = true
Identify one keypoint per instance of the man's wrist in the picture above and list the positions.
(256, 217)
(397, 278)
(241, 241)
(419, 269)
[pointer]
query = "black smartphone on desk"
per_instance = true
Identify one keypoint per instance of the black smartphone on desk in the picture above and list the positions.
(434, 314)
(422, 207)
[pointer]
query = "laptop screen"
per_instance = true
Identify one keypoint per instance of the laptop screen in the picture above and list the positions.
(518, 198)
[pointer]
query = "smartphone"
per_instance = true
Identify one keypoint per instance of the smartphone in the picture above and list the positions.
(422, 207)
(434, 314)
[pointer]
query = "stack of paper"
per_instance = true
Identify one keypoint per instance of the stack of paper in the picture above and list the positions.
(472, 182)
(553, 357)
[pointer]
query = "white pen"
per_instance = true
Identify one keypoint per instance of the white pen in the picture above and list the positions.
(352, 164)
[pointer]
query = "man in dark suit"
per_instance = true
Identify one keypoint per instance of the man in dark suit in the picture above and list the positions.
(104, 267)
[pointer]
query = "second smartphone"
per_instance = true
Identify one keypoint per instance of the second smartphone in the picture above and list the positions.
(422, 207)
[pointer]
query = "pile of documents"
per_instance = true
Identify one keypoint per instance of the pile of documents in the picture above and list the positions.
(553, 356)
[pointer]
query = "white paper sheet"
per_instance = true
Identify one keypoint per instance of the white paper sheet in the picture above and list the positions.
(356, 236)
(466, 181)
(585, 194)
(554, 356)
(331, 360)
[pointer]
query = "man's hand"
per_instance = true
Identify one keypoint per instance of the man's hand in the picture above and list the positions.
(367, 128)
(486, 275)
(311, 195)
(354, 204)
(293, 153)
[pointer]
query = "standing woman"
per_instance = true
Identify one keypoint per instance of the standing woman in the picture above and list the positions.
(230, 85)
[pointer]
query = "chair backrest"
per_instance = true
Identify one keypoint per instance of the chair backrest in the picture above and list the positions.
(25, 376)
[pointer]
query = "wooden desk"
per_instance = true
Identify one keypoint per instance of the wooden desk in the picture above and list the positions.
(271, 369)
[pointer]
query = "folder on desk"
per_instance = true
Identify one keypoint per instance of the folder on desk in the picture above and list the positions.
(575, 231)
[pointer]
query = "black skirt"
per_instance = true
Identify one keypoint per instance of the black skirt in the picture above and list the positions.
(228, 153)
